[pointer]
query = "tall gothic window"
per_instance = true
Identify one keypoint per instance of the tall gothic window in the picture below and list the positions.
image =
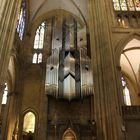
(21, 20)
(39, 37)
(4, 98)
(126, 5)
(126, 94)
(38, 43)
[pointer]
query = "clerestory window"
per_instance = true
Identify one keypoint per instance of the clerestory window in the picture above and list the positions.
(21, 20)
(38, 44)
(126, 5)
(39, 36)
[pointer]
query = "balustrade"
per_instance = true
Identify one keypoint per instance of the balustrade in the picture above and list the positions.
(131, 110)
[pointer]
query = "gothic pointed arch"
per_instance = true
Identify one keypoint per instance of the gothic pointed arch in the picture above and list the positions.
(69, 134)
(128, 53)
(28, 124)
(122, 43)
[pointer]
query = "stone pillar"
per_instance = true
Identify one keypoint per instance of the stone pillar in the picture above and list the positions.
(42, 125)
(43, 98)
(8, 19)
(106, 107)
(2, 3)
(8, 118)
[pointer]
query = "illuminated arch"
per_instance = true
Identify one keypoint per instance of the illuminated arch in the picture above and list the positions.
(69, 134)
(122, 43)
(127, 50)
(29, 122)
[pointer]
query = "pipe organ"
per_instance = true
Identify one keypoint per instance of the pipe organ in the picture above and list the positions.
(68, 68)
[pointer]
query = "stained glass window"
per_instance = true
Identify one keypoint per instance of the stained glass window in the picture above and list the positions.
(137, 4)
(116, 5)
(39, 37)
(21, 20)
(123, 5)
(126, 5)
(131, 5)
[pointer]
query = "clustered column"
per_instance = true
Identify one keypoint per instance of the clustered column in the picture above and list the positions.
(8, 18)
(106, 108)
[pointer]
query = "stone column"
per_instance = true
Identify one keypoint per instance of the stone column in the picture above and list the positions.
(2, 3)
(43, 97)
(8, 19)
(106, 108)
(5, 120)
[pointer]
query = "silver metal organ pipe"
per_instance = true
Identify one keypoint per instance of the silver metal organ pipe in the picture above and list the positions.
(69, 64)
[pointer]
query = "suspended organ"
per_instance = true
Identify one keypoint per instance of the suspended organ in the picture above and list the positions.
(68, 72)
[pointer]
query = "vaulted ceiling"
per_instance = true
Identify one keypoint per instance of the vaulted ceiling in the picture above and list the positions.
(130, 60)
(76, 7)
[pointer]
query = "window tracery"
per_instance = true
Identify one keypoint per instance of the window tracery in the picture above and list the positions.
(39, 37)
(127, 13)
(126, 5)
(38, 43)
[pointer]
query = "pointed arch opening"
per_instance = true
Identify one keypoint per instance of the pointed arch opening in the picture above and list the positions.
(29, 122)
(69, 134)
(39, 36)
(129, 62)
